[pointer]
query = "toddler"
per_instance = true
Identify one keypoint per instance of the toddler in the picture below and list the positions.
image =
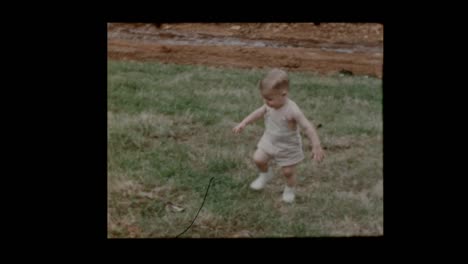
(281, 140)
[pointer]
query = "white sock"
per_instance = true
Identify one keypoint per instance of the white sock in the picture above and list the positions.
(262, 180)
(266, 174)
(289, 194)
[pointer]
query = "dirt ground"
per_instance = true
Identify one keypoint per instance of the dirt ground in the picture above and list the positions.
(327, 48)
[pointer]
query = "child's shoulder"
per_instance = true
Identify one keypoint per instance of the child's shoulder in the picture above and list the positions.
(293, 106)
(292, 103)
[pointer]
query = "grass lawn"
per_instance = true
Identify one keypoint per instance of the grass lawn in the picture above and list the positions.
(169, 132)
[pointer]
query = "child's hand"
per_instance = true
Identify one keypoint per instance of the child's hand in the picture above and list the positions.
(237, 129)
(318, 154)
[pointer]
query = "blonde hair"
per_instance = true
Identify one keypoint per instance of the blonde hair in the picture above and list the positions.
(275, 79)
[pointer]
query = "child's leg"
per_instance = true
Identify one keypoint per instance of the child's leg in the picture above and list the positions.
(261, 160)
(289, 173)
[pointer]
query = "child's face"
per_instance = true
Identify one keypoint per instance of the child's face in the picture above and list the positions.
(275, 98)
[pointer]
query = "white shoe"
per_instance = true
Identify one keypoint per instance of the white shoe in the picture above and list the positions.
(288, 194)
(262, 180)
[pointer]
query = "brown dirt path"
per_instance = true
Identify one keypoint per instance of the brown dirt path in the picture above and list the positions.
(326, 48)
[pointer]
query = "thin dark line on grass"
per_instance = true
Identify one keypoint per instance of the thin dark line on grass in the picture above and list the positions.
(198, 209)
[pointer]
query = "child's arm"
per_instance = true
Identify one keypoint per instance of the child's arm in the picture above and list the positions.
(309, 130)
(260, 112)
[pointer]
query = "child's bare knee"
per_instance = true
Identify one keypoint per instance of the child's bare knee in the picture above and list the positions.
(259, 159)
(288, 171)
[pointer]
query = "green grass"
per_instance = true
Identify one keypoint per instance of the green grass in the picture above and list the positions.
(169, 133)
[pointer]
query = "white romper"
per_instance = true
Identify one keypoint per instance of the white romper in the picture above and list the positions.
(281, 139)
